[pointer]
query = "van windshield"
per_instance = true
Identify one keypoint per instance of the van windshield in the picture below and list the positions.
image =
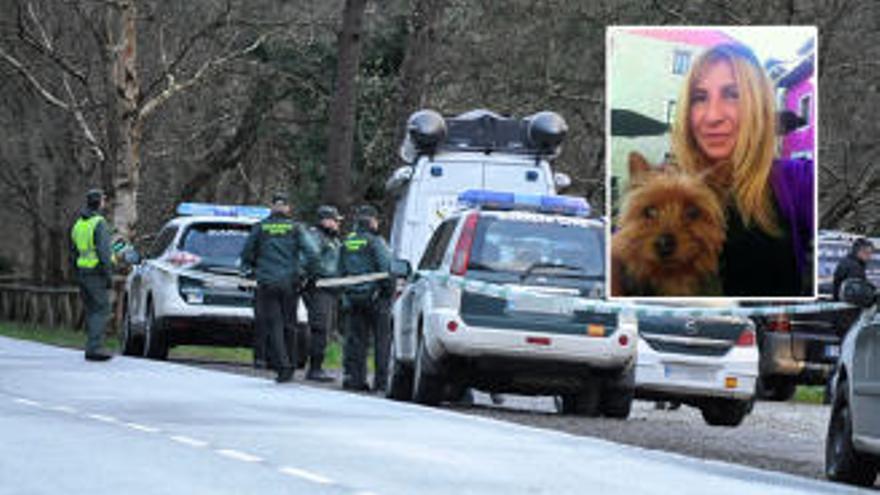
(555, 248)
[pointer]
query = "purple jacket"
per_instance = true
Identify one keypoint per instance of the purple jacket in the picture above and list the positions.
(792, 182)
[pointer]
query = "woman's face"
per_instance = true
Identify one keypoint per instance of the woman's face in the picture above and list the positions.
(714, 112)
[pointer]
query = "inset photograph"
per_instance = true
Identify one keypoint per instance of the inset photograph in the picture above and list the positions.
(711, 161)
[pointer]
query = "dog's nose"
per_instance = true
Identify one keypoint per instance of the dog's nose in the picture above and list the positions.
(664, 244)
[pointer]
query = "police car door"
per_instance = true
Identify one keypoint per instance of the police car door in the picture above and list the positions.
(140, 276)
(866, 381)
(431, 261)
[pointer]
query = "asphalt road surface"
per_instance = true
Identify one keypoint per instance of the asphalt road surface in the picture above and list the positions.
(135, 426)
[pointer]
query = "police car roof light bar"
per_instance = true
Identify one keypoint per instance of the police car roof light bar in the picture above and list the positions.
(214, 210)
(499, 200)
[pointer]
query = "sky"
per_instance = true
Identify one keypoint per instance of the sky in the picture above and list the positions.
(780, 42)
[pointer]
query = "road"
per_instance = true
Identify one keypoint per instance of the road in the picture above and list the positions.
(136, 426)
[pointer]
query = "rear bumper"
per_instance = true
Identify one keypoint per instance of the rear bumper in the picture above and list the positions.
(800, 356)
(536, 347)
(683, 377)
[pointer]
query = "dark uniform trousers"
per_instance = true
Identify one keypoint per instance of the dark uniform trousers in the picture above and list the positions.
(96, 301)
(363, 319)
(274, 310)
(322, 307)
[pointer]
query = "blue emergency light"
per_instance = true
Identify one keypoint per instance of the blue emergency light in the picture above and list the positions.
(498, 200)
(212, 210)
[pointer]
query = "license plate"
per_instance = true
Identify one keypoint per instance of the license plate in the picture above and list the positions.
(544, 305)
(687, 373)
(832, 351)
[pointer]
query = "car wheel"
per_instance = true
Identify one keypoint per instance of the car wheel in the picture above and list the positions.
(129, 344)
(777, 388)
(585, 403)
(617, 395)
(842, 462)
(427, 384)
(399, 385)
(725, 412)
(155, 337)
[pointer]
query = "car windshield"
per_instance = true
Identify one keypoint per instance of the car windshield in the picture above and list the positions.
(219, 245)
(552, 246)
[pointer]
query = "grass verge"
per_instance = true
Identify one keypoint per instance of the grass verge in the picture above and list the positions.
(75, 339)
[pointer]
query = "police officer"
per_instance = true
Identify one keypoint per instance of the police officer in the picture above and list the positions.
(365, 305)
(92, 258)
(272, 252)
(322, 303)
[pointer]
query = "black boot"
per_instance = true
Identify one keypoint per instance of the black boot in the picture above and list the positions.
(98, 356)
(285, 375)
(319, 375)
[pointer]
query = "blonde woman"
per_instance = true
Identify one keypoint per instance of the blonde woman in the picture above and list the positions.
(727, 131)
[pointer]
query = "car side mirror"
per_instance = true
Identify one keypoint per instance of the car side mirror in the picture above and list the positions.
(131, 257)
(859, 292)
(400, 268)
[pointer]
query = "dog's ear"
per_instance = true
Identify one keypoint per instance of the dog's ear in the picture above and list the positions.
(638, 167)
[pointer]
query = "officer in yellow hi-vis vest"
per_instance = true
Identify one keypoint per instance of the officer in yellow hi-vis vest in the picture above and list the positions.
(92, 259)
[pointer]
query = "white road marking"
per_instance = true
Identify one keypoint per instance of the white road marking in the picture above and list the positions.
(238, 455)
(143, 428)
(28, 402)
(306, 475)
(64, 409)
(103, 418)
(192, 442)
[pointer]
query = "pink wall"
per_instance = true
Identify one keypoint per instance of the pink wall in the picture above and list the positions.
(802, 139)
(698, 37)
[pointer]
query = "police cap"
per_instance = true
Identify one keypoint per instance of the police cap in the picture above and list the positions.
(94, 196)
(328, 211)
(367, 211)
(279, 198)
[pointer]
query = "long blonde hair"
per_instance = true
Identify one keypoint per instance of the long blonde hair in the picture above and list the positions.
(747, 172)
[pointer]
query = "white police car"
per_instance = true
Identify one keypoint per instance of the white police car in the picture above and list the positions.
(494, 336)
(709, 362)
(185, 290)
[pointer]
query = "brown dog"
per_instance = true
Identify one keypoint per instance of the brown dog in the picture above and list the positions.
(671, 231)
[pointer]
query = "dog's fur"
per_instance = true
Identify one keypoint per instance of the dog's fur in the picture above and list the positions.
(671, 232)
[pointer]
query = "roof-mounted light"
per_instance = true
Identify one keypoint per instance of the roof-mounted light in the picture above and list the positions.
(499, 200)
(212, 210)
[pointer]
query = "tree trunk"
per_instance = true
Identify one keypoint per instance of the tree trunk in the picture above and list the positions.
(340, 133)
(423, 33)
(127, 159)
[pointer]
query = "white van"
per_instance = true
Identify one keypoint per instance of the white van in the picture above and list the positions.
(476, 150)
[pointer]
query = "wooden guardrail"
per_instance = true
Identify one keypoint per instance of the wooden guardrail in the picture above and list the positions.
(52, 306)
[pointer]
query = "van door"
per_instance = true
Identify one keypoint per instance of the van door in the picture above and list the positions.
(438, 189)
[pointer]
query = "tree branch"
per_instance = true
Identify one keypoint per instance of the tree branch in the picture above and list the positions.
(32, 79)
(174, 87)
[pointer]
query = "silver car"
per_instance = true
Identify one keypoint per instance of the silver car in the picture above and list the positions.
(852, 449)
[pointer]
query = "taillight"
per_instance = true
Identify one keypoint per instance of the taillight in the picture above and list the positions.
(746, 338)
(462, 254)
(779, 323)
(183, 258)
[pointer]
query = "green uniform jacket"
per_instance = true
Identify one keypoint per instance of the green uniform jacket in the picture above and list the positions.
(102, 247)
(364, 252)
(273, 249)
(327, 265)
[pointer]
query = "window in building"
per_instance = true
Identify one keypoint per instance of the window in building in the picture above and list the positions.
(670, 112)
(805, 107)
(681, 62)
